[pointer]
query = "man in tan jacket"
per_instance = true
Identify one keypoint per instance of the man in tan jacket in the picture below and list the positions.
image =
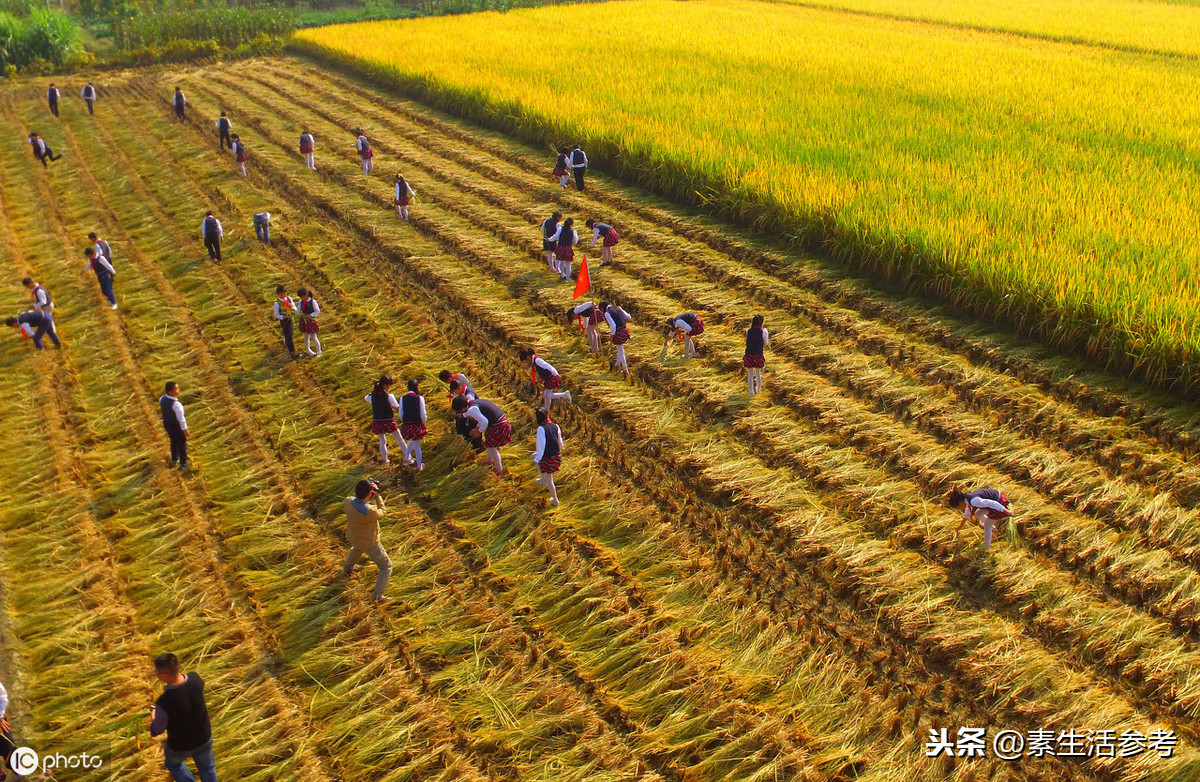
(362, 530)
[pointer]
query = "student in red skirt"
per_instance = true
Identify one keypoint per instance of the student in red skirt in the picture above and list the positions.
(490, 423)
(984, 506)
(463, 427)
(543, 370)
(412, 424)
(383, 415)
(309, 310)
(562, 169)
(688, 326)
(239, 153)
(757, 338)
(549, 231)
(588, 315)
(618, 325)
(308, 145)
(608, 234)
(365, 153)
(403, 193)
(283, 309)
(448, 377)
(565, 239)
(548, 455)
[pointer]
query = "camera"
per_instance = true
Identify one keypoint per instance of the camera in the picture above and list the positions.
(374, 485)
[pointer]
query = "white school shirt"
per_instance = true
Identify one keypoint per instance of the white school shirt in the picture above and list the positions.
(280, 313)
(612, 323)
(408, 187)
(976, 504)
(39, 144)
(391, 401)
(546, 365)
(177, 406)
(766, 337)
(361, 143)
(102, 248)
(466, 384)
(28, 329)
(102, 261)
(88, 92)
(476, 415)
(53, 94)
(571, 156)
(3, 700)
(558, 237)
(541, 443)
(684, 326)
(220, 230)
(596, 232)
(579, 310)
(316, 308)
(40, 298)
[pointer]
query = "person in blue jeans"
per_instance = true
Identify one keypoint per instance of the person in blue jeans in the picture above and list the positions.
(262, 226)
(36, 324)
(104, 273)
(181, 713)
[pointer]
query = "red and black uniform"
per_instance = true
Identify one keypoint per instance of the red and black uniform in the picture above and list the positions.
(383, 414)
(754, 349)
(412, 418)
(551, 461)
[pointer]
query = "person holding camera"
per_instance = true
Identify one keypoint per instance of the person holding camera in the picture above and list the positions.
(362, 531)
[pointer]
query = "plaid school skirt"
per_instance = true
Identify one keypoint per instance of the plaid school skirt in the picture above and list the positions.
(498, 434)
(612, 239)
(366, 154)
(550, 464)
(558, 173)
(412, 431)
(698, 329)
(551, 383)
(622, 336)
(564, 252)
(306, 149)
(751, 361)
(241, 158)
(309, 326)
(384, 426)
(403, 201)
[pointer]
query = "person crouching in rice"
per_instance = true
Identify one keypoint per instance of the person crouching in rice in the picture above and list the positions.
(383, 415)
(687, 327)
(757, 338)
(985, 506)
(548, 454)
(541, 369)
(490, 423)
(403, 193)
(562, 169)
(588, 315)
(608, 237)
(618, 321)
(565, 240)
(412, 424)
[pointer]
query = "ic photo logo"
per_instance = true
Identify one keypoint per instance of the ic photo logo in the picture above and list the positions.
(25, 761)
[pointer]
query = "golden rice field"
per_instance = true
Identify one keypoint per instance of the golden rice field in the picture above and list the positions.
(1048, 186)
(733, 589)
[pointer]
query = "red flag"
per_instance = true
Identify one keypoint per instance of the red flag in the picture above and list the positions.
(583, 281)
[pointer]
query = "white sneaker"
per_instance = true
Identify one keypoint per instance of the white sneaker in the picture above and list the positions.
(114, 306)
(314, 355)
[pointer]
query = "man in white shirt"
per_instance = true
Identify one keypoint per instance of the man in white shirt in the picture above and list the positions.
(104, 272)
(88, 93)
(579, 163)
(212, 232)
(175, 423)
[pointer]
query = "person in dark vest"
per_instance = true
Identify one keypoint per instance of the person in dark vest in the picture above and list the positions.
(549, 231)
(757, 338)
(547, 455)
(490, 423)
(579, 165)
(687, 327)
(239, 153)
(36, 324)
(383, 415)
(181, 713)
(42, 151)
(984, 506)
(283, 308)
(180, 102)
(309, 310)
(618, 321)
(412, 424)
(52, 96)
(365, 153)
(562, 168)
(175, 423)
(459, 384)
(543, 370)
(212, 232)
(448, 377)
(104, 273)
(223, 128)
(308, 146)
(588, 316)
(88, 93)
(102, 247)
(41, 297)
(403, 194)
(565, 239)
(609, 237)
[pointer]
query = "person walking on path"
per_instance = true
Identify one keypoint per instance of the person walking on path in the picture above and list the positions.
(757, 338)
(223, 128)
(283, 309)
(608, 234)
(549, 231)
(42, 150)
(52, 96)
(262, 226)
(175, 423)
(35, 324)
(309, 310)
(363, 512)
(239, 154)
(547, 455)
(687, 327)
(102, 246)
(412, 424)
(182, 714)
(562, 168)
(383, 415)
(365, 153)
(540, 368)
(403, 193)
(565, 240)
(41, 297)
(104, 273)
(88, 93)
(984, 506)
(212, 232)
(180, 103)
(618, 325)
(588, 315)
(308, 146)
(579, 164)
(490, 423)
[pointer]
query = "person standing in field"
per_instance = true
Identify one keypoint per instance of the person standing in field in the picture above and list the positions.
(490, 423)
(223, 128)
(309, 310)
(239, 153)
(308, 146)
(403, 193)
(687, 326)
(565, 239)
(52, 96)
(102, 247)
(180, 102)
(41, 297)
(579, 164)
(182, 714)
(608, 234)
(412, 424)
(212, 232)
(283, 308)
(365, 153)
(383, 416)
(562, 168)
(547, 455)
(618, 321)
(588, 315)
(88, 93)
(984, 506)
(549, 231)
(757, 338)
(104, 273)
(363, 512)
(175, 424)
(541, 369)
(35, 325)
(42, 151)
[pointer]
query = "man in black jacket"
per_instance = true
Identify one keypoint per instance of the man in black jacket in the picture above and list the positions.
(180, 712)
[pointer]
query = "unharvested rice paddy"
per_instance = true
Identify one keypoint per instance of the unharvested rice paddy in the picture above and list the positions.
(733, 589)
(1046, 185)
